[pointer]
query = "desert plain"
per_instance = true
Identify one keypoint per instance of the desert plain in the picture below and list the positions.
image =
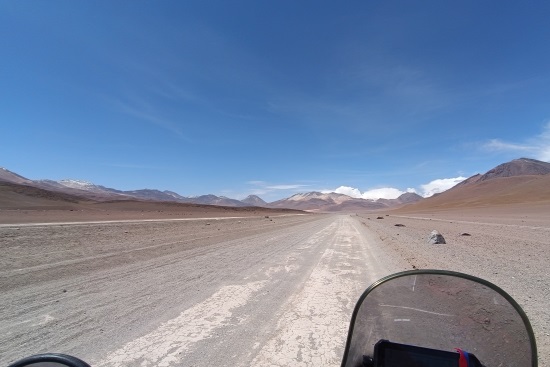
(162, 286)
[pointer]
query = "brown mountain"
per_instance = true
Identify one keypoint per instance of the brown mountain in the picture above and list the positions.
(406, 198)
(9, 176)
(517, 167)
(333, 202)
(16, 196)
(254, 200)
(519, 181)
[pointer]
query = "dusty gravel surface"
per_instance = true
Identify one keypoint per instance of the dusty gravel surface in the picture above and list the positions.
(226, 292)
(509, 249)
(275, 291)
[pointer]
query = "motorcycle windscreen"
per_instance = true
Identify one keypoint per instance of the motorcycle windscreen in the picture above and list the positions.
(441, 310)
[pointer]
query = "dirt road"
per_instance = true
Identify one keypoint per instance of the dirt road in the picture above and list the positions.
(259, 291)
(226, 292)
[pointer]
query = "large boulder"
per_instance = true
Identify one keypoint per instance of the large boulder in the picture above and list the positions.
(436, 238)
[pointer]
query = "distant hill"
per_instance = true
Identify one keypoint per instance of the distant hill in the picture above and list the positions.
(17, 196)
(406, 198)
(333, 202)
(214, 200)
(84, 190)
(519, 181)
(518, 167)
(8, 176)
(254, 200)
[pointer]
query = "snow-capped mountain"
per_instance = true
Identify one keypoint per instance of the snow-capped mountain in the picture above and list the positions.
(311, 201)
(82, 188)
(331, 197)
(332, 202)
(77, 184)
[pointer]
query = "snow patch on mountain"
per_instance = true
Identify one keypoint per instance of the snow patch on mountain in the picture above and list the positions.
(77, 184)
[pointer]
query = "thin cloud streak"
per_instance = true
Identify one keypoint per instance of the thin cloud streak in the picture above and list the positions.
(270, 191)
(138, 166)
(285, 187)
(154, 119)
(537, 146)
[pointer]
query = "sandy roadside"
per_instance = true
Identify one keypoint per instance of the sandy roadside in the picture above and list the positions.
(16, 216)
(509, 249)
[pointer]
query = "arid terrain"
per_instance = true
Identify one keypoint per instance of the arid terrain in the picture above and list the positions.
(241, 290)
(149, 283)
(507, 245)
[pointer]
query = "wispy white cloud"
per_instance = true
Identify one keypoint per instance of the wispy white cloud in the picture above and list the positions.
(147, 114)
(372, 194)
(269, 191)
(259, 183)
(285, 187)
(263, 185)
(137, 166)
(346, 190)
(496, 144)
(425, 190)
(439, 185)
(538, 146)
(384, 193)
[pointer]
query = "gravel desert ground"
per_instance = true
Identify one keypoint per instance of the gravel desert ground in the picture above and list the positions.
(242, 291)
(508, 246)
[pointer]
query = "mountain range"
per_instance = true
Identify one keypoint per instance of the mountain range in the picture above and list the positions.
(518, 180)
(312, 201)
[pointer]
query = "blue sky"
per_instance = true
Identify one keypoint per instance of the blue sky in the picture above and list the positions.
(272, 97)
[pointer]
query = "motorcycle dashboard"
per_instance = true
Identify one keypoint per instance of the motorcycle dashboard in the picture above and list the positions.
(389, 354)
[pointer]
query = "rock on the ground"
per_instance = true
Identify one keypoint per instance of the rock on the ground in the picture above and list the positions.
(436, 238)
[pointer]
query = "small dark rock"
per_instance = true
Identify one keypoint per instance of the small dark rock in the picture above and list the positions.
(465, 234)
(379, 217)
(400, 225)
